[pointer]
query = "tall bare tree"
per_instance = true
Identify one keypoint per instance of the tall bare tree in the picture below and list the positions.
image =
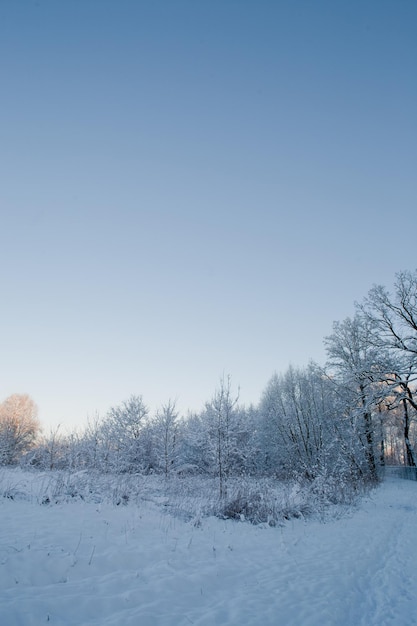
(393, 318)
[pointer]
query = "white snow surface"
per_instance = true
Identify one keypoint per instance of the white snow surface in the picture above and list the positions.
(85, 563)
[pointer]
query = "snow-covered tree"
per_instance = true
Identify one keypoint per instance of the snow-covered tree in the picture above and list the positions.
(165, 431)
(296, 422)
(194, 454)
(357, 367)
(49, 451)
(19, 427)
(393, 318)
(221, 417)
(124, 431)
(94, 445)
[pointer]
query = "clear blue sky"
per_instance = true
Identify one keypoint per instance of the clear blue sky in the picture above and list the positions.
(195, 187)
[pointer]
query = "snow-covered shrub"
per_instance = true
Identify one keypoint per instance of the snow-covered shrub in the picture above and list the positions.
(252, 505)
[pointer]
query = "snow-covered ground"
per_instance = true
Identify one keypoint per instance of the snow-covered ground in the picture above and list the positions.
(85, 563)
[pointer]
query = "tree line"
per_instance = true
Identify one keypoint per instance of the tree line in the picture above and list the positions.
(338, 422)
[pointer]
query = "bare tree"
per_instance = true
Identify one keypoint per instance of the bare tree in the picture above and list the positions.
(49, 451)
(19, 427)
(358, 367)
(394, 322)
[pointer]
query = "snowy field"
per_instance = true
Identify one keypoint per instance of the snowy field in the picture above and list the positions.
(94, 563)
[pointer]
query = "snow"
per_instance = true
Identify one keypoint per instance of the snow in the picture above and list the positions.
(86, 563)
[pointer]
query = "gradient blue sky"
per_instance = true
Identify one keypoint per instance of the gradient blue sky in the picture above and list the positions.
(195, 187)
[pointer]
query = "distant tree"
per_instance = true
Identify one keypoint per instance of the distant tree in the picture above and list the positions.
(94, 445)
(49, 451)
(165, 430)
(19, 427)
(245, 457)
(195, 456)
(221, 416)
(124, 431)
(56, 450)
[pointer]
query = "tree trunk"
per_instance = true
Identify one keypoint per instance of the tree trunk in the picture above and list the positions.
(410, 460)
